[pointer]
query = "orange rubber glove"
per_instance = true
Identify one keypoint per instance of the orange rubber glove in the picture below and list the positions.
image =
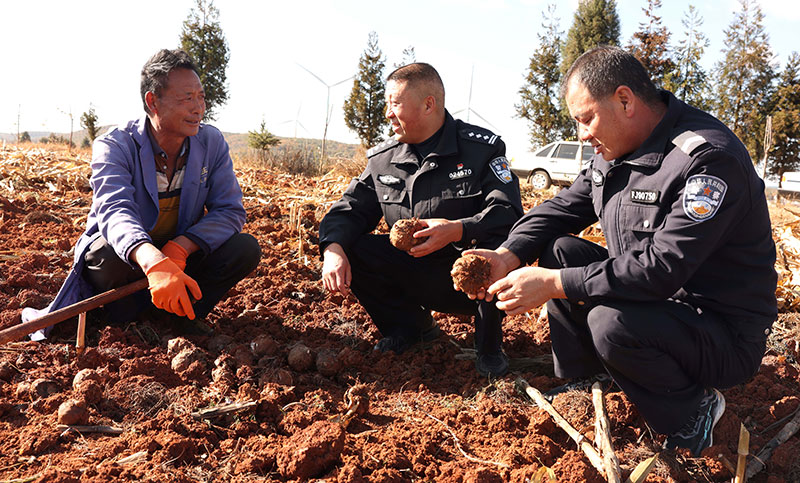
(176, 253)
(168, 284)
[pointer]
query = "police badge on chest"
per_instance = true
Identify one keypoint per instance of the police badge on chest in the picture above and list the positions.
(460, 172)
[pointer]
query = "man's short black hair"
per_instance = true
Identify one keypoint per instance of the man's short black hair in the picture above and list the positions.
(420, 73)
(603, 69)
(158, 67)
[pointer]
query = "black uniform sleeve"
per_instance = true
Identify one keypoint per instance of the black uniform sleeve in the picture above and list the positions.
(568, 212)
(658, 269)
(501, 207)
(356, 213)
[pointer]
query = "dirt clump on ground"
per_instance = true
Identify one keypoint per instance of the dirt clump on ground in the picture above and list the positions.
(230, 406)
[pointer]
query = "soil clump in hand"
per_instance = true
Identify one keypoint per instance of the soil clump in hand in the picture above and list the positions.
(471, 273)
(401, 235)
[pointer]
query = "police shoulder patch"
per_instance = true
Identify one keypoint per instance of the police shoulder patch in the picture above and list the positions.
(703, 196)
(478, 134)
(389, 143)
(501, 169)
(688, 141)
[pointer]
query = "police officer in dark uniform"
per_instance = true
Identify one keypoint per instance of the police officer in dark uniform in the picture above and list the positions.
(454, 177)
(682, 300)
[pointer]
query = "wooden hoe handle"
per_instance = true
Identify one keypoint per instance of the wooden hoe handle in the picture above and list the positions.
(19, 331)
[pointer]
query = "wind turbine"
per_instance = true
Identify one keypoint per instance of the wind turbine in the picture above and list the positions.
(328, 109)
(297, 122)
(469, 102)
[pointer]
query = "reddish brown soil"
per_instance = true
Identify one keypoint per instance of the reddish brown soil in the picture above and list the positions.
(430, 415)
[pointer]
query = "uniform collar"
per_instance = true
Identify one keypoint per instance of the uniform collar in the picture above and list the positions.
(447, 144)
(654, 148)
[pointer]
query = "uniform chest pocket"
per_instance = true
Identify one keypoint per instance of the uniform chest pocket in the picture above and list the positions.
(460, 191)
(390, 196)
(639, 223)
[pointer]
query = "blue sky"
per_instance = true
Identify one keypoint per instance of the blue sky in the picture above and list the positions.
(59, 56)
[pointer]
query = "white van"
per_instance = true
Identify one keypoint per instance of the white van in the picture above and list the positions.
(790, 184)
(558, 163)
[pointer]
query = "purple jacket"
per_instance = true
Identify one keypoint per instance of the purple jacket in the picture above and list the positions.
(125, 202)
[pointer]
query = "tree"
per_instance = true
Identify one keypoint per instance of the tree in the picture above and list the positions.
(539, 103)
(365, 108)
(596, 22)
(744, 78)
(409, 57)
(650, 44)
(785, 152)
(25, 137)
(262, 140)
(202, 38)
(89, 122)
(688, 80)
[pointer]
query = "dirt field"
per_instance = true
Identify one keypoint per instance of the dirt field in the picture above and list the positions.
(426, 415)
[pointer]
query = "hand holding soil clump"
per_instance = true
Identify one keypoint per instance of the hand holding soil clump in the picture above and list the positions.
(471, 273)
(402, 234)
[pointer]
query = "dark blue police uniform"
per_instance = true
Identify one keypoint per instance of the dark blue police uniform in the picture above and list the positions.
(465, 177)
(684, 296)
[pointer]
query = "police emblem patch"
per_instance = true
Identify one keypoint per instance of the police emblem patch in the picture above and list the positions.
(500, 169)
(388, 179)
(703, 196)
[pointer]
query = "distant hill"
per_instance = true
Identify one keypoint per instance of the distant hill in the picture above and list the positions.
(236, 141)
(77, 136)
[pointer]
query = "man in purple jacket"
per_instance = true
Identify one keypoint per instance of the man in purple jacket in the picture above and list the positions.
(166, 206)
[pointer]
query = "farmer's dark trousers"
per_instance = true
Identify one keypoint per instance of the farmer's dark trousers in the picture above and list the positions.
(398, 291)
(662, 354)
(215, 274)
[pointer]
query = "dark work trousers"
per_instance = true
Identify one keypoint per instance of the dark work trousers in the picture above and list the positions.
(215, 274)
(398, 291)
(662, 354)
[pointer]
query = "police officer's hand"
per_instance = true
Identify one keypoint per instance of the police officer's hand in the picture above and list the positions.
(336, 274)
(526, 288)
(501, 262)
(440, 232)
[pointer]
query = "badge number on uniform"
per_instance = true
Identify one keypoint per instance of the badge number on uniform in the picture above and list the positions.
(460, 172)
(500, 169)
(703, 196)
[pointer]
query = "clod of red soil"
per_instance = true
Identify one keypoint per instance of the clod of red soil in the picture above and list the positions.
(300, 358)
(177, 345)
(87, 374)
(44, 388)
(89, 390)
(311, 451)
(73, 412)
(184, 359)
(328, 362)
(263, 345)
(471, 273)
(401, 236)
(7, 371)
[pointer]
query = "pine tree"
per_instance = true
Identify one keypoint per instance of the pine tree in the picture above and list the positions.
(409, 57)
(744, 78)
(650, 44)
(202, 38)
(688, 80)
(365, 108)
(595, 23)
(539, 103)
(89, 122)
(785, 152)
(261, 140)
